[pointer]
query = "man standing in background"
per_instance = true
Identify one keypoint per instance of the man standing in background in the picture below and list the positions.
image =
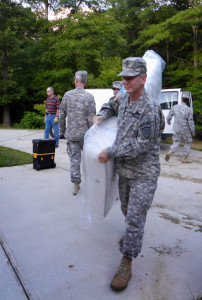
(184, 129)
(52, 113)
(78, 107)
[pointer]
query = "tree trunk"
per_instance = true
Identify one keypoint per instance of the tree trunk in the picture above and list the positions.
(167, 53)
(6, 107)
(195, 45)
(46, 8)
(6, 116)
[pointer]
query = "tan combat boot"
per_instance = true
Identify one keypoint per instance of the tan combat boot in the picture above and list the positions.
(168, 155)
(123, 275)
(186, 160)
(121, 240)
(76, 188)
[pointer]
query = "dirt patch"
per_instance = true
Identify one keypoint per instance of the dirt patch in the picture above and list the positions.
(158, 206)
(197, 145)
(180, 177)
(186, 222)
(172, 251)
(199, 228)
(170, 218)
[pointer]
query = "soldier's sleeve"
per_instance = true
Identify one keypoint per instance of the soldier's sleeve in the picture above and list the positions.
(169, 116)
(191, 123)
(109, 109)
(91, 111)
(63, 113)
(162, 120)
(149, 134)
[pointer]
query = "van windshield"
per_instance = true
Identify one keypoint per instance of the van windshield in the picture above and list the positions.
(168, 99)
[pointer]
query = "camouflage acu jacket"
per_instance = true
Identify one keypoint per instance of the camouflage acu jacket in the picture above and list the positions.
(137, 146)
(183, 119)
(77, 110)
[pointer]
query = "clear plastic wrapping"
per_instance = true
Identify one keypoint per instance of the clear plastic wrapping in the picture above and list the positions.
(101, 184)
(155, 67)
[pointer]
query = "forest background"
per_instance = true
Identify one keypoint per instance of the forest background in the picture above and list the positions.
(96, 36)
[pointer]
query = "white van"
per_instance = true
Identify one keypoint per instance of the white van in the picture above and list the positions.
(101, 96)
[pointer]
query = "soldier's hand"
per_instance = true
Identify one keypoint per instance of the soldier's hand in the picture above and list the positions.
(98, 119)
(193, 134)
(103, 158)
(55, 119)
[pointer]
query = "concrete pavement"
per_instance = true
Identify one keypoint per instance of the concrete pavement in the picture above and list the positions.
(47, 252)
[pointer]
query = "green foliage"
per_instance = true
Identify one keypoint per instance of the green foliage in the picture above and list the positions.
(176, 39)
(42, 53)
(19, 35)
(110, 67)
(79, 42)
(41, 108)
(18, 44)
(74, 6)
(10, 157)
(32, 120)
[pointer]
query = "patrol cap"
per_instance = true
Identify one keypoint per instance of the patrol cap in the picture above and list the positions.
(117, 85)
(82, 76)
(133, 66)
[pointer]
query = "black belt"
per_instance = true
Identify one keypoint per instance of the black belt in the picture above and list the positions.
(50, 114)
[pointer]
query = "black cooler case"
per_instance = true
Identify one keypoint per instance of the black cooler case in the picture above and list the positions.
(43, 154)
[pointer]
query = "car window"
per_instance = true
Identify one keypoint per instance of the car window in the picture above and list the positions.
(168, 99)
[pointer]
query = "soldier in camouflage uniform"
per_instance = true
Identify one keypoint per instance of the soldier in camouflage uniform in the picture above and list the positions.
(76, 114)
(184, 129)
(136, 152)
(116, 86)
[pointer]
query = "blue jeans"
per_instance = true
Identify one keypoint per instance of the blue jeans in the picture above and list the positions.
(50, 123)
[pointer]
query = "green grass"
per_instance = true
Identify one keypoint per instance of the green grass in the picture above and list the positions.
(10, 157)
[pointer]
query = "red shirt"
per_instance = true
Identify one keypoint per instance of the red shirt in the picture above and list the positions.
(52, 104)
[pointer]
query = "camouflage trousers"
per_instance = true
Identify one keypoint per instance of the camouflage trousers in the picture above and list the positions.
(136, 197)
(74, 152)
(178, 138)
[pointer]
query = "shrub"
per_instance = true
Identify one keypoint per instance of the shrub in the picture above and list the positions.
(41, 108)
(32, 120)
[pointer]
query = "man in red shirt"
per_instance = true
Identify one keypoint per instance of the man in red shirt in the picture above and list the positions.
(52, 113)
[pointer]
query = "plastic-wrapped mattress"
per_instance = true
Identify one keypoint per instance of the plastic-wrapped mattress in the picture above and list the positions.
(100, 181)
